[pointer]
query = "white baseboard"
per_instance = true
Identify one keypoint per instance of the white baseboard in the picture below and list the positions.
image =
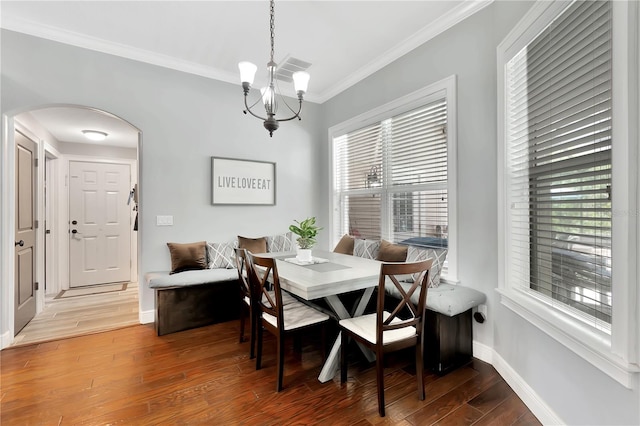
(5, 340)
(482, 352)
(531, 399)
(147, 317)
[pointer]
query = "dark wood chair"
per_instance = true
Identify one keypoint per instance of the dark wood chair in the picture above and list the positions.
(279, 318)
(246, 300)
(394, 329)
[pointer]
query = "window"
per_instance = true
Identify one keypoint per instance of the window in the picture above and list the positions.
(558, 154)
(392, 175)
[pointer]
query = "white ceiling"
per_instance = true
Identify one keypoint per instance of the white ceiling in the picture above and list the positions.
(345, 41)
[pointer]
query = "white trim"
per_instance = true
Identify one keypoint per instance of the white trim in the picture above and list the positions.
(147, 317)
(625, 181)
(482, 352)
(7, 236)
(443, 23)
(590, 345)
(6, 339)
(53, 162)
(531, 399)
(615, 355)
(446, 87)
(96, 44)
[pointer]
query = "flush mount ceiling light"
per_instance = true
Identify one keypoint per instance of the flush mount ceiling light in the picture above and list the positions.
(94, 135)
(247, 74)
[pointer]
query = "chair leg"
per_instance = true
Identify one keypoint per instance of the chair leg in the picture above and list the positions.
(280, 360)
(420, 372)
(242, 319)
(259, 350)
(344, 341)
(252, 338)
(380, 381)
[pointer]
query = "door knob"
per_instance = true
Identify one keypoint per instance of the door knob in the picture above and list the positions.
(19, 243)
(74, 231)
(75, 222)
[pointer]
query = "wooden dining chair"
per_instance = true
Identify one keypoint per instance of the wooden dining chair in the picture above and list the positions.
(389, 330)
(279, 318)
(246, 300)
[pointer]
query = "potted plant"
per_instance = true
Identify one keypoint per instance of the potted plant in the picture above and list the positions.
(306, 232)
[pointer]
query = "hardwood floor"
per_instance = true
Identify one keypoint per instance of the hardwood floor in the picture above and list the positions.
(80, 315)
(204, 376)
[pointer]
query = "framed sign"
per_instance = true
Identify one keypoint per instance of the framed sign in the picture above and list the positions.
(242, 182)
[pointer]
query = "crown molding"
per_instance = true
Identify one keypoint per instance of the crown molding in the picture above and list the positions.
(117, 49)
(448, 20)
(451, 18)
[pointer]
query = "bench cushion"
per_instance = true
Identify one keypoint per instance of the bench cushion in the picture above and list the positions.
(162, 279)
(447, 299)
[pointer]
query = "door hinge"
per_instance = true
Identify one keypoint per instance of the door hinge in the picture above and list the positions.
(36, 224)
(37, 285)
(35, 162)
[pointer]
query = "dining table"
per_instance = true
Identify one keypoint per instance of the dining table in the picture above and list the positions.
(327, 276)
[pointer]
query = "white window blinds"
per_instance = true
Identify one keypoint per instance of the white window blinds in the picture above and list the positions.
(559, 162)
(391, 178)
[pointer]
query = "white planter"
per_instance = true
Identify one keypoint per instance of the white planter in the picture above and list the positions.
(304, 255)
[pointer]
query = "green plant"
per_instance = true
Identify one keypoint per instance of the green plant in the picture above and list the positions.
(306, 231)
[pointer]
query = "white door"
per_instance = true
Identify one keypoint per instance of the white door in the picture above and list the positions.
(99, 223)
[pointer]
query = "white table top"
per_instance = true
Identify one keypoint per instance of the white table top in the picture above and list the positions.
(342, 273)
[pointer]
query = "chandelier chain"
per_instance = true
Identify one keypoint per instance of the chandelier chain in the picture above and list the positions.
(272, 27)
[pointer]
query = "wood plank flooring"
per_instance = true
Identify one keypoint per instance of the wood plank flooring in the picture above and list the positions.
(204, 376)
(80, 315)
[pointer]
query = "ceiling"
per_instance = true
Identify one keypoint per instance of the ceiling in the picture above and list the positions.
(345, 41)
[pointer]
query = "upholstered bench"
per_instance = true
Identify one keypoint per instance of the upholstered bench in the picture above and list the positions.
(192, 299)
(448, 326)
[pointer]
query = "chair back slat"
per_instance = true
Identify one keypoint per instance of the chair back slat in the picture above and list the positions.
(389, 275)
(264, 273)
(243, 275)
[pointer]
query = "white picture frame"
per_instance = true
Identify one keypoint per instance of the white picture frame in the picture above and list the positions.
(242, 182)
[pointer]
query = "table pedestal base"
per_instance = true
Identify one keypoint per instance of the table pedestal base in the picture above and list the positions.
(332, 364)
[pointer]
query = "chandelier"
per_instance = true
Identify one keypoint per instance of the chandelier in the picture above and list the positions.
(247, 74)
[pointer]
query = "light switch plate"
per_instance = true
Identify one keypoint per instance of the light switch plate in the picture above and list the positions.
(164, 220)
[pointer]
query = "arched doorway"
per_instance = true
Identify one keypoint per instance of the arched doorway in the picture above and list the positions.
(57, 131)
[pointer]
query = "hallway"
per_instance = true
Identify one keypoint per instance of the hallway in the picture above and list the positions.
(81, 315)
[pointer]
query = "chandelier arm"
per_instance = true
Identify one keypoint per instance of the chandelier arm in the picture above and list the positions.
(248, 108)
(284, 100)
(296, 114)
(254, 104)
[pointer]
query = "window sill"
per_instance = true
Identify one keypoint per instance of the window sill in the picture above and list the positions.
(591, 345)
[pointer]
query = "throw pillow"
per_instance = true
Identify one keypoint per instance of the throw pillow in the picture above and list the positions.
(221, 255)
(282, 242)
(366, 248)
(253, 245)
(417, 254)
(345, 245)
(389, 252)
(186, 257)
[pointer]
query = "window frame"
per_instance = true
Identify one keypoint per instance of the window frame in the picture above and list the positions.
(615, 354)
(444, 88)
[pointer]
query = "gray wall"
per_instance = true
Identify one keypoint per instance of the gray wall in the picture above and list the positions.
(85, 149)
(184, 119)
(575, 390)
